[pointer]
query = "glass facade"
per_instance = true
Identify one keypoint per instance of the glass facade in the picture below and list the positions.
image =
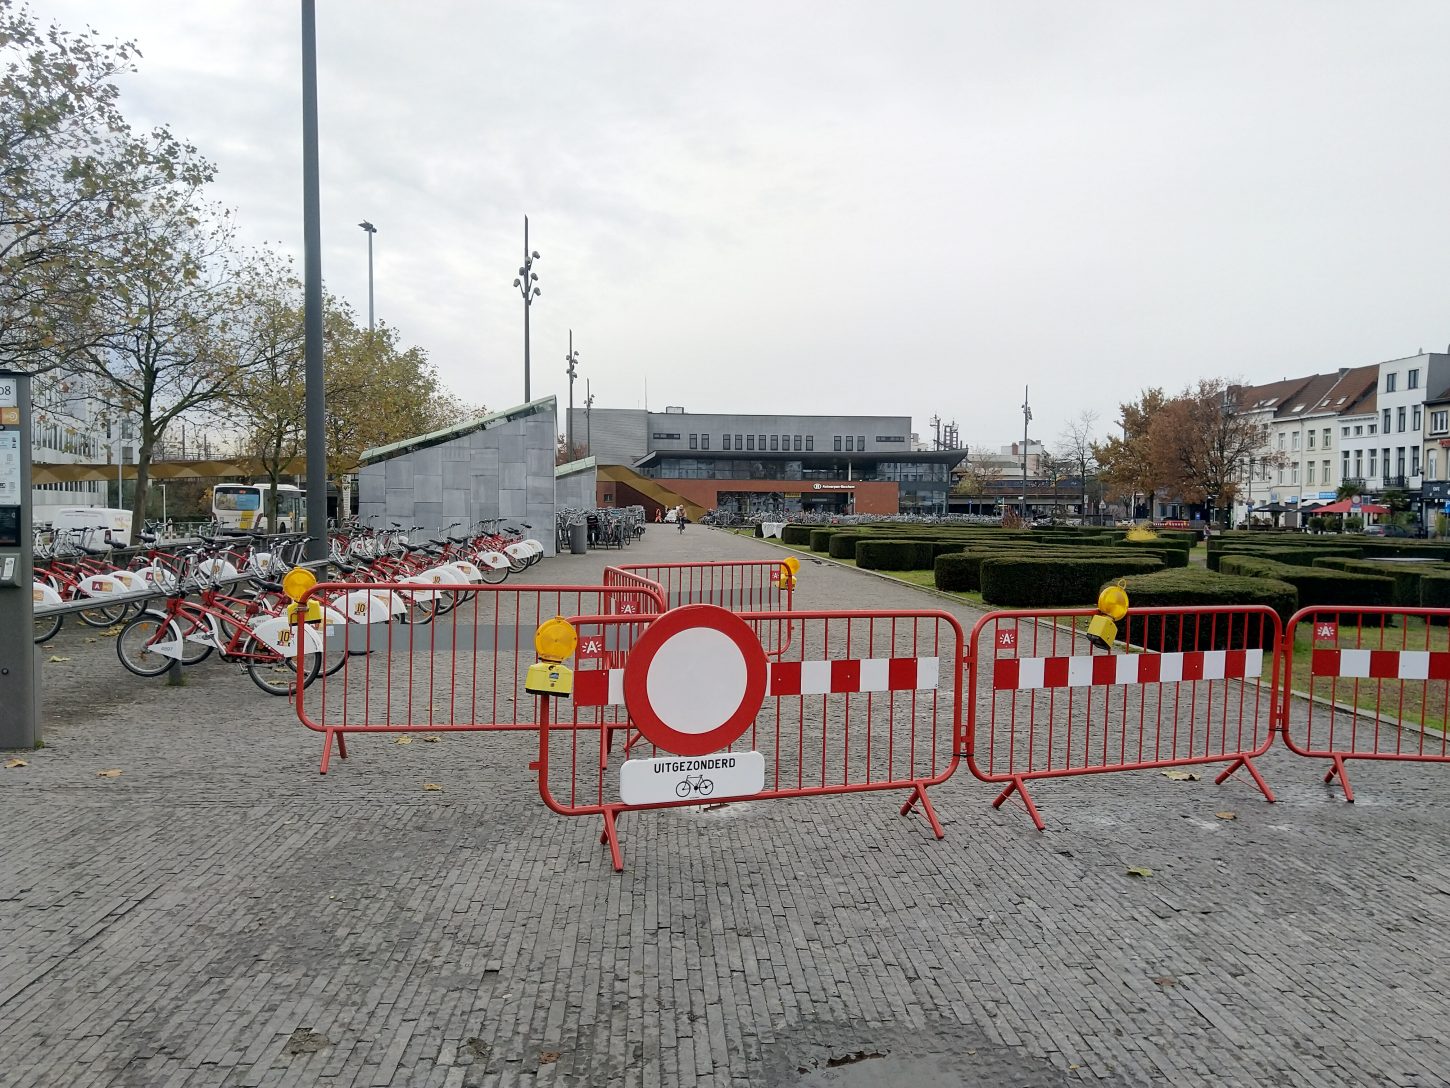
(922, 485)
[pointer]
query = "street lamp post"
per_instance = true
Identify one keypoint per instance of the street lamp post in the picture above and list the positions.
(573, 360)
(371, 230)
(1026, 419)
(527, 284)
(588, 431)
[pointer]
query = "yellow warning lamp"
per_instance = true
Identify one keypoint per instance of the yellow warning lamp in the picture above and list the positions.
(1112, 607)
(789, 566)
(553, 641)
(297, 582)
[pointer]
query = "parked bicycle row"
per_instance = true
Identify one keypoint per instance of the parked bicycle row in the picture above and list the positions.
(226, 595)
(605, 527)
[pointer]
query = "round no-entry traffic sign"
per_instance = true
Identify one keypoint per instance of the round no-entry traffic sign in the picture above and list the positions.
(695, 679)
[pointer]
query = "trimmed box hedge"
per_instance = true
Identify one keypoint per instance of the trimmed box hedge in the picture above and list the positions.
(949, 573)
(1317, 586)
(1057, 581)
(1194, 589)
(1406, 576)
(820, 539)
(843, 545)
(895, 554)
(797, 536)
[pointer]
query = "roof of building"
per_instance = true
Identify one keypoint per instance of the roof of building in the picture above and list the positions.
(1270, 397)
(570, 467)
(945, 457)
(458, 430)
(1354, 393)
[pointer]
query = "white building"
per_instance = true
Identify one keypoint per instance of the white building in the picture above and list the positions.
(69, 425)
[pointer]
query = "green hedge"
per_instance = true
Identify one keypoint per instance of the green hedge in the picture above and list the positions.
(1194, 588)
(949, 573)
(797, 536)
(895, 554)
(820, 539)
(1317, 586)
(1296, 554)
(843, 545)
(1435, 592)
(1406, 576)
(1055, 582)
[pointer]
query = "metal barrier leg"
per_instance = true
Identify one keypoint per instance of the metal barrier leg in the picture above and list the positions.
(919, 794)
(611, 836)
(1247, 764)
(1338, 769)
(1021, 788)
(327, 735)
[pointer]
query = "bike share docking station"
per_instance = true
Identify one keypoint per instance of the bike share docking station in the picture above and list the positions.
(19, 656)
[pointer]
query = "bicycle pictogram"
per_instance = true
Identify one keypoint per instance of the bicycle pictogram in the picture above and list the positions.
(695, 783)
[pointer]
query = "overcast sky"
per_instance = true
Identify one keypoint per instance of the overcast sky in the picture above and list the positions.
(896, 207)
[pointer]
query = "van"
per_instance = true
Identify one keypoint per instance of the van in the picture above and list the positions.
(111, 523)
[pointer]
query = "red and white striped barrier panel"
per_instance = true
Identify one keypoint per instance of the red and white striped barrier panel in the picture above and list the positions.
(1182, 687)
(1378, 686)
(463, 671)
(862, 702)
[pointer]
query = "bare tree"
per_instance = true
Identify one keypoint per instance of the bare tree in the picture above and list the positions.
(1075, 446)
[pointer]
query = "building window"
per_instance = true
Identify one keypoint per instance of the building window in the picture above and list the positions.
(1415, 418)
(1311, 439)
(1294, 473)
(1400, 418)
(1385, 422)
(1412, 380)
(1358, 429)
(1373, 428)
(704, 441)
(1324, 475)
(850, 443)
(1359, 465)
(774, 443)
(750, 441)
(1440, 421)
(694, 441)
(1344, 465)
(1281, 474)
(1281, 440)
(1414, 460)
(838, 443)
(1326, 437)
(1309, 474)
(796, 443)
(861, 443)
(761, 447)
(810, 441)
(1294, 441)
(1429, 464)
(1399, 460)
(1374, 462)
(1389, 383)
(1344, 433)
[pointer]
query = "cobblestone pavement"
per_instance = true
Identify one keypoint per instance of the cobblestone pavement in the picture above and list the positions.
(218, 914)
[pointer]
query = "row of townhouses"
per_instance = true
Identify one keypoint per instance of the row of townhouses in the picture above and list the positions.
(1377, 428)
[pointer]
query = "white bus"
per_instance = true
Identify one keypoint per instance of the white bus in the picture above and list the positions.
(244, 507)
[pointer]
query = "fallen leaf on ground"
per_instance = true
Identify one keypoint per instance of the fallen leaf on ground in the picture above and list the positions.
(11, 764)
(1180, 776)
(431, 740)
(110, 632)
(55, 659)
(90, 640)
(402, 740)
(1139, 870)
(548, 1057)
(1166, 980)
(114, 772)
(432, 787)
(1227, 815)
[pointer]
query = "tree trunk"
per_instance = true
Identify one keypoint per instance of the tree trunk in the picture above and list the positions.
(143, 481)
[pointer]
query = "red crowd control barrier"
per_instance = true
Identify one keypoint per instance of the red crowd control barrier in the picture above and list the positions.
(1378, 682)
(1182, 687)
(462, 671)
(858, 702)
(739, 585)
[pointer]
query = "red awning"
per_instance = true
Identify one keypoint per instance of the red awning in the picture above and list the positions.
(1343, 506)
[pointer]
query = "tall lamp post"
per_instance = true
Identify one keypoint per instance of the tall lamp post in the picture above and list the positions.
(588, 431)
(527, 284)
(1026, 419)
(371, 230)
(573, 360)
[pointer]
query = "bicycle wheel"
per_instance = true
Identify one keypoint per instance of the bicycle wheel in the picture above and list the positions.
(46, 628)
(132, 645)
(192, 652)
(420, 611)
(103, 616)
(493, 575)
(275, 674)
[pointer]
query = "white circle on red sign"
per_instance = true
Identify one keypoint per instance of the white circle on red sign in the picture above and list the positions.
(695, 679)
